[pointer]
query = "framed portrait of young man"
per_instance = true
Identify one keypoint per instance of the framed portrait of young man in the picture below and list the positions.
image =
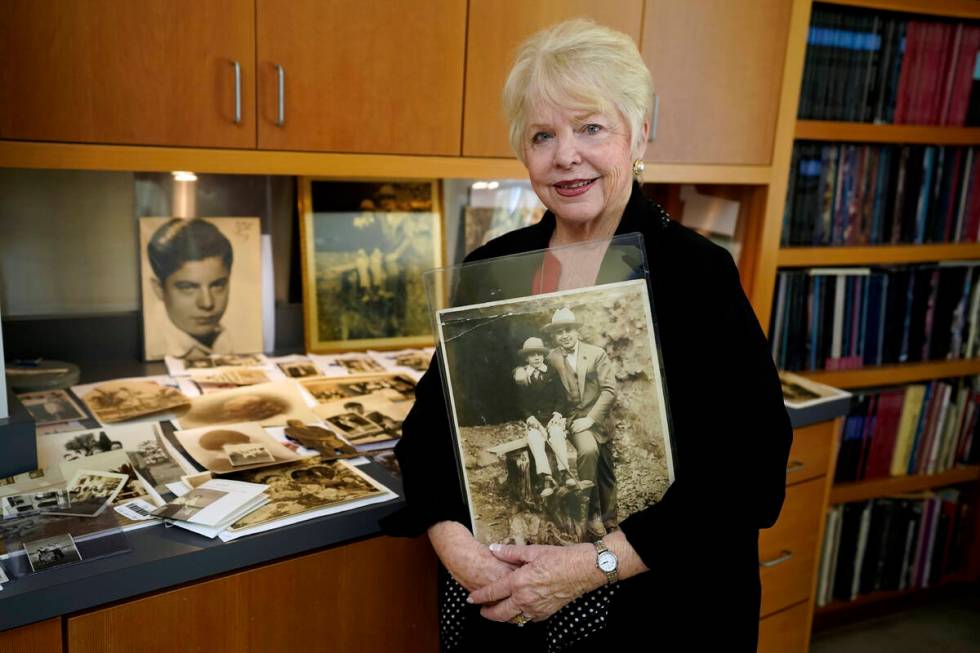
(201, 286)
(365, 246)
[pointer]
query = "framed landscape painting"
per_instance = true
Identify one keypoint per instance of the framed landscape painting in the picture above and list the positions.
(365, 245)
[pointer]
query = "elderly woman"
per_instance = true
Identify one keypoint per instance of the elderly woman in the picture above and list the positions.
(683, 574)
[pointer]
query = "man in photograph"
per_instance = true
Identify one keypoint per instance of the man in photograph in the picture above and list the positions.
(589, 380)
(191, 262)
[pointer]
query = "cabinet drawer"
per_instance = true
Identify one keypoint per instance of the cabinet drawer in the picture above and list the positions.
(810, 455)
(786, 631)
(787, 550)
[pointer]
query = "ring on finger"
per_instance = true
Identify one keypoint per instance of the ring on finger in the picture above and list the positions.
(520, 619)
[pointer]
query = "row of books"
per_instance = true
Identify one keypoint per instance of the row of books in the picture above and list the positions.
(867, 67)
(916, 429)
(847, 318)
(848, 194)
(892, 543)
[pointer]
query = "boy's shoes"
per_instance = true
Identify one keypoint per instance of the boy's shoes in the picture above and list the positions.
(549, 486)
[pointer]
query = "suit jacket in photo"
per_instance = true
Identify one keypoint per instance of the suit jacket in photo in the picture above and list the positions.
(596, 383)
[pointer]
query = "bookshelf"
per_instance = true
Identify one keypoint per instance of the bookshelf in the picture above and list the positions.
(878, 487)
(772, 257)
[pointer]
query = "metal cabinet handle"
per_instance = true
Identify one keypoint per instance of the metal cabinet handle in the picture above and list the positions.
(794, 466)
(654, 119)
(281, 116)
(783, 556)
(238, 92)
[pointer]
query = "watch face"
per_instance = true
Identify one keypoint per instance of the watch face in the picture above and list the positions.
(607, 561)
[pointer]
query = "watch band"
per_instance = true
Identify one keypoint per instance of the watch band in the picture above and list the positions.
(600, 548)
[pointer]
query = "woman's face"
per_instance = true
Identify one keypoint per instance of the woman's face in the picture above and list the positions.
(580, 163)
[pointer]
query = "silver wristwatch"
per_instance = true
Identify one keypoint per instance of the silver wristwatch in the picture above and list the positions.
(606, 561)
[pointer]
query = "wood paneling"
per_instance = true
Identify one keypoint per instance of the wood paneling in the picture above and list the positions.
(384, 77)
(794, 534)
(810, 455)
(717, 77)
(42, 637)
(495, 29)
(150, 72)
(786, 631)
(376, 595)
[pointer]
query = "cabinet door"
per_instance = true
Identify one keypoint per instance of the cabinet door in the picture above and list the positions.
(153, 72)
(374, 76)
(496, 28)
(717, 67)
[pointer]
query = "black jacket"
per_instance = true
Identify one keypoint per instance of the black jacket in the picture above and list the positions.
(731, 443)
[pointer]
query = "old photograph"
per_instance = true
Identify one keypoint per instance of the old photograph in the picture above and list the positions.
(51, 407)
(394, 386)
(800, 392)
(269, 404)
(247, 455)
(51, 552)
(416, 360)
(559, 410)
(201, 286)
(125, 399)
(184, 507)
(18, 505)
(365, 246)
(90, 491)
(306, 486)
(298, 369)
(365, 419)
(208, 446)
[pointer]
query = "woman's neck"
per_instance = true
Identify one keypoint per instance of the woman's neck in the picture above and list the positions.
(603, 227)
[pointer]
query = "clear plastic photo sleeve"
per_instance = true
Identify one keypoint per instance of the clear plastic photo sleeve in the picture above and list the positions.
(554, 386)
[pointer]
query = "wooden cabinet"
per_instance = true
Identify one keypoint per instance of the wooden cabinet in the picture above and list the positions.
(42, 637)
(717, 70)
(377, 77)
(785, 631)
(154, 72)
(495, 29)
(375, 595)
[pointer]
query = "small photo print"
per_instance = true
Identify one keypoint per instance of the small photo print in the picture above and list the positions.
(226, 360)
(247, 454)
(208, 446)
(124, 399)
(3, 575)
(18, 505)
(90, 491)
(184, 507)
(52, 552)
(269, 404)
(299, 369)
(51, 407)
(353, 426)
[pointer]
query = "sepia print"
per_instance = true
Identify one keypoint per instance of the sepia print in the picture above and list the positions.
(269, 404)
(124, 399)
(209, 446)
(365, 246)
(91, 490)
(186, 506)
(394, 386)
(306, 486)
(51, 407)
(559, 410)
(201, 286)
(369, 418)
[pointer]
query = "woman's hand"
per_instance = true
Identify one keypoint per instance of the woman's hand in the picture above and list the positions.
(470, 562)
(548, 578)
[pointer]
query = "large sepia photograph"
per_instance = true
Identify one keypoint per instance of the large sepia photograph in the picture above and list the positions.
(559, 409)
(365, 246)
(201, 286)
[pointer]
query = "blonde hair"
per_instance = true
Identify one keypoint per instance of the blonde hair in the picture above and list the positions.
(578, 64)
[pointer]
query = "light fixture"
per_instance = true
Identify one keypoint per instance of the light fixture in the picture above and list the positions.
(480, 185)
(493, 185)
(184, 175)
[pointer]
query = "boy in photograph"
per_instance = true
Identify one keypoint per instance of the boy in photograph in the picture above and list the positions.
(191, 262)
(542, 399)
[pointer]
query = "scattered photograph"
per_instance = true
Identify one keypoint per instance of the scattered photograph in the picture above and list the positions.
(269, 404)
(365, 246)
(306, 486)
(397, 387)
(186, 506)
(52, 552)
(90, 491)
(207, 446)
(247, 455)
(201, 286)
(299, 369)
(14, 532)
(800, 392)
(126, 399)
(365, 419)
(219, 360)
(416, 360)
(19, 505)
(113, 462)
(561, 396)
(51, 407)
